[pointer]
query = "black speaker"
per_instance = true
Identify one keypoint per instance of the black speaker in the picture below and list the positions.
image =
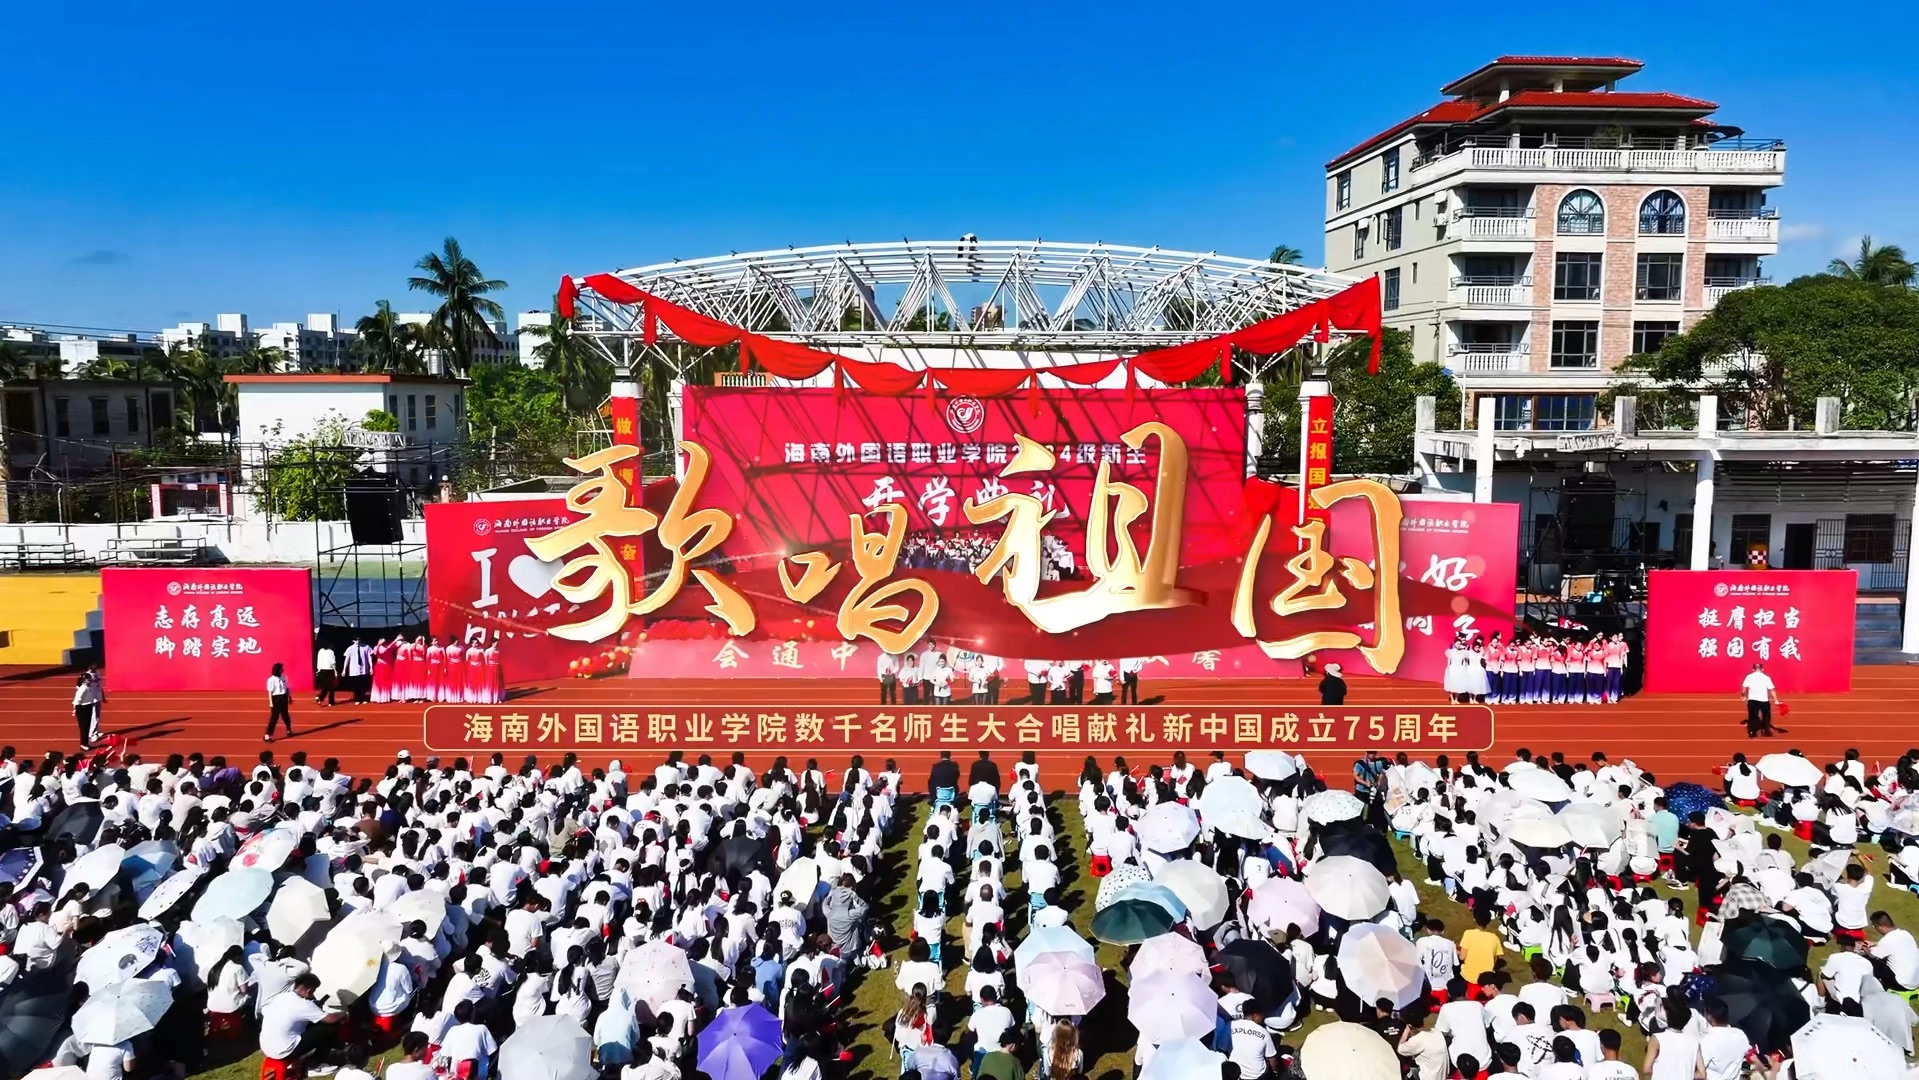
(373, 512)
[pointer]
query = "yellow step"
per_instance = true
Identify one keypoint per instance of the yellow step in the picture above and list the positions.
(44, 616)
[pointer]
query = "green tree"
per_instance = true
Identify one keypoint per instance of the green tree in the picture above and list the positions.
(465, 311)
(583, 372)
(256, 360)
(379, 420)
(207, 397)
(1373, 415)
(305, 480)
(385, 344)
(1769, 353)
(519, 414)
(1884, 265)
(1287, 255)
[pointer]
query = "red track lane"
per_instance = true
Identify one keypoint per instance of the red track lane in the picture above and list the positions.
(1672, 735)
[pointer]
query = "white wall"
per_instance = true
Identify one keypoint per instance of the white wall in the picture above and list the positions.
(281, 412)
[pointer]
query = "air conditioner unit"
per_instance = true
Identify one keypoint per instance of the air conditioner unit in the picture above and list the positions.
(1363, 224)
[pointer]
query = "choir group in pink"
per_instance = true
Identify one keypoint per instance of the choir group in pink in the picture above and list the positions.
(425, 670)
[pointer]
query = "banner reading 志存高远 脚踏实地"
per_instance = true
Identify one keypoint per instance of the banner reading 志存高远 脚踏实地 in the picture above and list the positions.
(1705, 629)
(167, 628)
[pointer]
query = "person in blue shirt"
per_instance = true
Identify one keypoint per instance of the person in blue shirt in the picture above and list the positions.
(769, 972)
(1368, 772)
(1665, 833)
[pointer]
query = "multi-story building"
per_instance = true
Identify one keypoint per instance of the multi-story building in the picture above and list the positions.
(68, 354)
(227, 335)
(1540, 225)
(320, 345)
(527, 335)
(500, 349)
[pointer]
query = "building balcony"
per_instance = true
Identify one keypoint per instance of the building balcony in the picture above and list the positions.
(1742, 226)
(1471, 223)
(1499, 292)
(1595, 159)
(1496, 359)
(1717, 288)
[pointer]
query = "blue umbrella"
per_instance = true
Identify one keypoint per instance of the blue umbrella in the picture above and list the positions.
(235, 894)
(1685, 799)
(1155, 893)
(148, 863)
(741, 1043)
(18, 866)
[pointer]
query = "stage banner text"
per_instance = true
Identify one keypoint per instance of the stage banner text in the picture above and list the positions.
(206, 629)
(1705, 629)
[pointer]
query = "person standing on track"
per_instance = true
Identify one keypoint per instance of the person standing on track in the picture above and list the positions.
(326, 674)
(279, 697)
(84, 702)
(359, 672)
(1129, 670)
(889, 673)
(1761, 696)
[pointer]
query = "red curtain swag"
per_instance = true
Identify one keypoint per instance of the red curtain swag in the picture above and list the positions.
(1355, 309)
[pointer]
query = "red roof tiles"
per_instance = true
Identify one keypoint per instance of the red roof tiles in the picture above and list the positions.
(1458, 112)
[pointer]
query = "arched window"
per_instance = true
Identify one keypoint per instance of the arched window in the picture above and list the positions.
(1581, 213)
(1662, 214)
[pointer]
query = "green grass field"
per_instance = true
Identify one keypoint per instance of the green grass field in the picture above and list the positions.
(1109, 1038)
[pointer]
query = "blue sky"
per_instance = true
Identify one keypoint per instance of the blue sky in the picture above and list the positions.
(168, 161)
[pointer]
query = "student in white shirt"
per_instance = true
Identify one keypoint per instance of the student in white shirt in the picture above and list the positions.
(279, 697)
(941, 677)
(413, 1066)
(110, 1062)
(326, 675)
(1102, 682)
(1761, 696)
(1897, 951)
(287, 1022)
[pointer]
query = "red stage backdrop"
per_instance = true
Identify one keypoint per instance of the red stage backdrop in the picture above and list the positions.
(1705, 629)
(783, 473)
(211, 629)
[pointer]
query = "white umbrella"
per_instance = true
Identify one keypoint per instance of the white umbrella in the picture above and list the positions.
(1835, 1047)
(1168, 1007)
(655, 973)
(1169, 954)
(1791, 770)
(235, 894)
(425, 906)
(1591, 825)
(1063, 984)
(1540, 784)
(1332, 805)
(1233, 806)
(1377, 963)
(1348, 887)
(801, 878)
(202, 944)
(347, 963)
(1905, 821)
(1182, 1059)
(1343, 1051)
(171, 891)
(1539, 832)
(122, 1011)
(1051, 939)
(1271, 765)
(268, 850)
(1168, 827)
(1420, 777)
(298, 906)
(1200, 888)
(1278, 903)
(96, 869)
(58, 1072)
(1121, 876)
(120, 956)
(1518, 765)
(1499, 808)
(548, 1048)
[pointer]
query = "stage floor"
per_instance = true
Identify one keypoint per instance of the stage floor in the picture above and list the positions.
(1675, 736)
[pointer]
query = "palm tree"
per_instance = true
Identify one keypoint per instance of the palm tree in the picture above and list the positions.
(582, 371)
(204, 391)
(254, 360)
(465, 313)
(1885, 265)
(1287, 255)
(385, 344)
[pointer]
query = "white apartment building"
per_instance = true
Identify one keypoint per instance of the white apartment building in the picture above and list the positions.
(524, 342)
(319, 345)
(70, 353)
(227, 335)
(1540, 225)
(497, 351)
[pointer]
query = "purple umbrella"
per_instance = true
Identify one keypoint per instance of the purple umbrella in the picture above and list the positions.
(741, 1043)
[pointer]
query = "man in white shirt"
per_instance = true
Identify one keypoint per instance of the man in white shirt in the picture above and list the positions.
(1463, 1022)
(326, 675)
(1252, 1049)
(1129, 670)
(1438, 956)
(1897, 953)
(468, 1041)
(988, 1023)
(1846, 971)
(359, 671)
(889, 673)
(110, 1062)
(1103, 683)
(1760, 697)
(1851, 898)
(287, 1023)
(37, 945)
(1723, 1048)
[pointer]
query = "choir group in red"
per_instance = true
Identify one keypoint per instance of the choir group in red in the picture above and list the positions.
(425, 670)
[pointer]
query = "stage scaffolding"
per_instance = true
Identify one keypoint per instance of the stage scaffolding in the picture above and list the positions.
(1585, 546)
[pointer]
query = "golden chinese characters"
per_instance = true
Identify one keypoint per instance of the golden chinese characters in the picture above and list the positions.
(1315, 574)
(1124, 580)
(870, 609)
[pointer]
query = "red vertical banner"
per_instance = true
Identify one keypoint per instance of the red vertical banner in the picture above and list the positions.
(1316, 467)
(623, 409)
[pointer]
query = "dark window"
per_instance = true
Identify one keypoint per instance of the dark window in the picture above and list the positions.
(1660, 276)
(1578, 275)
(1649, 337)
(1582, 214)
(1564, 412)
(1749, 531)
(133, 415)
(1389, 170)
(1869, 538)
(432, 413)
(1359, 242)
(1575, 345)
(393, 404)
(412, 413)
(162, 412)
(1682, 535)
(1662, 214)
(1395, 227)
(62, 417)
(98, 406)
(1390, 286)
(1513, 412)
(1343, 190)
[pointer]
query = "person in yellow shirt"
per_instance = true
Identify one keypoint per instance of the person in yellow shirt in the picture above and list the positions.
(1479, 948)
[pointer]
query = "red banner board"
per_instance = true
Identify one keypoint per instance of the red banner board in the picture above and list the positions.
(206, 629)
(481, 580)
(1705, 629)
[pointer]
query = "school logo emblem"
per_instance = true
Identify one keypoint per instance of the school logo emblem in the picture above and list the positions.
(482, 526)
(173, 588)
(1721, 589)
(965, 415)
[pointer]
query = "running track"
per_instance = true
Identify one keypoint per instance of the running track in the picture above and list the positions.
(1675, 736)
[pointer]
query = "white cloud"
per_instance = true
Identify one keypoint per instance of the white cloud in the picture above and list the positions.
(1794, 231)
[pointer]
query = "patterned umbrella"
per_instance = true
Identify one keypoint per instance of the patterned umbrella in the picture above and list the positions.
(1168, 827)
(1686, 798)
(171, 891)
(1121, 876)
(120, 956)
(119, 1012)
(1332, 805)
(1050, 939)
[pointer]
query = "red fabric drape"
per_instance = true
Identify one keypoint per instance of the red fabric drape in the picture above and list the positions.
(615, 289)
(565, 300)
(1356, 309)
(785, 359)
(980, 382)
(889, 379)
(1281, 332)
(1180, 363)
(1084, 374)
